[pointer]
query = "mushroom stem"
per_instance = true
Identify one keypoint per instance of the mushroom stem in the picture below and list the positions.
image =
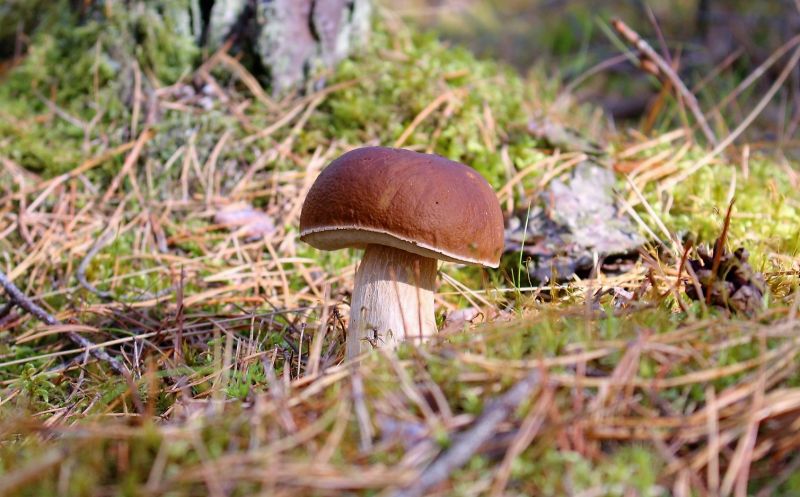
(392, 299)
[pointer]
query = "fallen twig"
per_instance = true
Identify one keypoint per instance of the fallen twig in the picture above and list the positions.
(19, 299)
(468, 443)
(647, 51)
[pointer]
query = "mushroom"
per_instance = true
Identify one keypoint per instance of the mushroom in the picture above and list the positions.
(406, 210)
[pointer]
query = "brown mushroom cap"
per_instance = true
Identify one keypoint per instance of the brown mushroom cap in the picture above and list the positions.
(420, 203)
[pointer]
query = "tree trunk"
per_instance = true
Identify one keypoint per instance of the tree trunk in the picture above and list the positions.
(291, 39)
(288, 42)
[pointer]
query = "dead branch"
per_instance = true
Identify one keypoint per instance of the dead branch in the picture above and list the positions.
(19, 299)
(470, 441)
(648, 53)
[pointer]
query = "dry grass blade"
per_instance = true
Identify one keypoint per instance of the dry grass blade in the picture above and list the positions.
(248, 79)
(424, 113)
(736, 477)
(712, 471)
(84, 265)
(756, 74)
(362, 414)
(315, 352)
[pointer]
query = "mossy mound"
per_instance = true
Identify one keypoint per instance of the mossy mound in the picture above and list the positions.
(71, 96)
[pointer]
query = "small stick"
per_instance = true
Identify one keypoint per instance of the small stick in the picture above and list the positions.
(470, 441)
(16, 296)
(645, 49)
(180, 317)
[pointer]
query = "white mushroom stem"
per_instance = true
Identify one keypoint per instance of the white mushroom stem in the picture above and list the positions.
(392, 299)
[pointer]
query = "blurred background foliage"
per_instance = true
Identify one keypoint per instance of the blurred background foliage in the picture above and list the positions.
(714, 44)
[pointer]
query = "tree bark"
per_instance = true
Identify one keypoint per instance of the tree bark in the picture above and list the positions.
(292, 40)
(287, 42)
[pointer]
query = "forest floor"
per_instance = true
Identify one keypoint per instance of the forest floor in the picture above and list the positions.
(189, 343)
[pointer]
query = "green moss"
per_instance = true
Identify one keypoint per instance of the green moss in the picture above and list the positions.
(766, 212)
(628, 470)
(84, 65)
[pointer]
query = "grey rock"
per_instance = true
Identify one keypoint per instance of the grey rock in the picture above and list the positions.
(573, 222)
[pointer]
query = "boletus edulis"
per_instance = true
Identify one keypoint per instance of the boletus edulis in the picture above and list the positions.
(406, 210)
